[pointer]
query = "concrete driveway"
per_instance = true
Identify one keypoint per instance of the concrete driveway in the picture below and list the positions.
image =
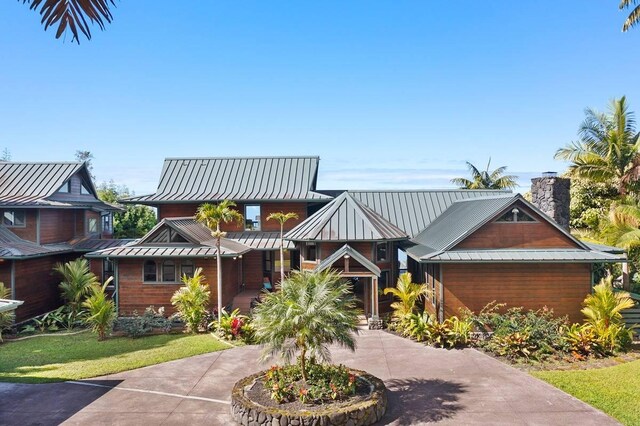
(426, 385)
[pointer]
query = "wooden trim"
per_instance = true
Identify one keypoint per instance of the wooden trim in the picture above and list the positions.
(441, 307)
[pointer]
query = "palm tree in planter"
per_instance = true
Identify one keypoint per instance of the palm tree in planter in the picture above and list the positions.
(282, 218)
(77, 283)
(212, 216)
(311, 311)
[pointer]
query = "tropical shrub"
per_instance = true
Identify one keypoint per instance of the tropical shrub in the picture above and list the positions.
(517, 344)
(583, 341)
(77, 283)
(453, 332)
(61, 318)
(407, 295)
(310, 311)
(140, 325)
(7, 317)
(101, 310)
(192, 300)
(324, 383)
(233, 326)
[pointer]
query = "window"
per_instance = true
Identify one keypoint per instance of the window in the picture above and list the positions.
(169, 271)
(14, 218)
(65, 188)
(267, 261)
(150, 271)
(93, 225)
(310, 253)
(383, 282)
(107, 270)
(106, 223)
(84, 190)
(430, 280)
(515, 215)
(186, 268)
(381, 252)
(252, 217)
(174, 237)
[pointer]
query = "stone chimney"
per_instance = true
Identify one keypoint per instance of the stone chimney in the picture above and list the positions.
(550, 194)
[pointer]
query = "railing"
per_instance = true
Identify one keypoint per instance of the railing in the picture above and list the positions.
(632, 316)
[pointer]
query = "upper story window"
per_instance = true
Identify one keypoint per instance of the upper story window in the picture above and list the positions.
(106, 223)
(252, 217)
(310, 252)
(66, 188)
(515, 215)
(84, 190)
(381, 252)
(14, 218)
(92, 225)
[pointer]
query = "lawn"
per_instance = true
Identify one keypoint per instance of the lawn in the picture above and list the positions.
(613, 390)
(80, 356)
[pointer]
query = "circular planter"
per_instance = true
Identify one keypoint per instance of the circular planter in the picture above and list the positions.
(361, 413)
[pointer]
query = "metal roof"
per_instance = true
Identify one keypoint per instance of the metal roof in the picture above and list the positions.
(166, 251)
(345, 219)
(523, 256)
(30, 184)
(260, 240)
(14, 247)
(93, 244)
(413, 211)
(238, 179)
(604, 248)
(347, 250)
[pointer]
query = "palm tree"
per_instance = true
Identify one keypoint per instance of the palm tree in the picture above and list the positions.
(485, 179)
(608, 147)
(407, 294)
(73, 15)
(211, 216)
(101, 309)
(621, 227)
(634, 16)
(311, 311)
(191, 300)
(77, 282)
(282, 217)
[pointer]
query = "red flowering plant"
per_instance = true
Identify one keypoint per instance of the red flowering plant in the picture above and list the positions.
(233, 326)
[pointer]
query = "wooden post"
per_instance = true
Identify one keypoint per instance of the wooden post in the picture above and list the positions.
(374, 298)
(626, 285)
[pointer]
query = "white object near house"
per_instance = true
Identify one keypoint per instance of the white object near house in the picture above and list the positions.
(9, 305)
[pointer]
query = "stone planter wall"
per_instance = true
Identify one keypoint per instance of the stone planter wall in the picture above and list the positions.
(361, 413)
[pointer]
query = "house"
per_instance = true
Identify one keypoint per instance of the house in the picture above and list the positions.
(50, 213)
(469, 246)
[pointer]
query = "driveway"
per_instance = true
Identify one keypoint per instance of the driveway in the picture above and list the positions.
(426, 385)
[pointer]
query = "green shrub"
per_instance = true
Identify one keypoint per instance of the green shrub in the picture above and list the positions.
(101, 310)
(77, 283)
(453, 332)
(517, 344)
(407, 294)
(140, 325)
(192, 300)
(233, 326)
(324, 383)
(583, 341)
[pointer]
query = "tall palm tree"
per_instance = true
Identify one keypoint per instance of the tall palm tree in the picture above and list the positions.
(634, 16)
(212, 216)
(485, 179)
(73, 15)
(621, 227)
(311, 311)
(407, 294)
(77, 282)
(282, 217)
(608, 147)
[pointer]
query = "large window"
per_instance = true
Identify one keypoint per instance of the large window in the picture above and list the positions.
(186, 269)
(310, 252)
(150, 271)
(381, 252)
(252, 217)
(13, 218)
(169, 271)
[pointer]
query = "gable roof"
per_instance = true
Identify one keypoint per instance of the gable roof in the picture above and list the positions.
(31, 184)
(345, 219)
(237, 179)
(413, 210)
(347, 250)
(437, 242)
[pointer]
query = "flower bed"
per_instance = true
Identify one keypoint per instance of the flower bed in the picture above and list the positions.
(251, 403)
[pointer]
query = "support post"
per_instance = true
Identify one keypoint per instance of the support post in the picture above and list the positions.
(375, 323)
(626, 285)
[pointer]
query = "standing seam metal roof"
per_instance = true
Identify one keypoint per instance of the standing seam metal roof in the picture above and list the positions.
(238, 179)
(345, 219)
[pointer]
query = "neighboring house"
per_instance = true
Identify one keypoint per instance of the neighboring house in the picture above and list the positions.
(470, 246)
(49, 213)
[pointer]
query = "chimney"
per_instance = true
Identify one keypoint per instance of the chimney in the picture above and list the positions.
(550, 194)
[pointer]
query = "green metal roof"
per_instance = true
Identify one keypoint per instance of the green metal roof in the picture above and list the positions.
(14, 247)
(347, 250)
(522, 256)
(235, 178)
(345, 219)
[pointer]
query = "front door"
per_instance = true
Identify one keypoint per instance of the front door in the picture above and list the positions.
(361, 291)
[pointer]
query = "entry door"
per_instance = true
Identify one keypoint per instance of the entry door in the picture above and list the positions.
(362, 293)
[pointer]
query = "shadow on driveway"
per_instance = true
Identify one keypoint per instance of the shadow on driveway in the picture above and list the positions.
(413, 401)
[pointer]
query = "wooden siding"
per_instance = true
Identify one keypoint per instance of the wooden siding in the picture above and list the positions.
(497, 235)
(134, 295)
(57, 225)
(561, 287)
(252, 272)
(272, 225)
(37, 285)
(30, 231)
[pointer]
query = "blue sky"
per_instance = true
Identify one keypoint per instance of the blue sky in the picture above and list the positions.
(390, 94)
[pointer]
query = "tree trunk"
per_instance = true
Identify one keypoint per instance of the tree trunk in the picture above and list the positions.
(219, 272)
(303, 363)
(281, 252)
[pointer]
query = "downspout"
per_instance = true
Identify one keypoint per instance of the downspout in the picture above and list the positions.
(116, 282)
(13, 280)
(441, 287)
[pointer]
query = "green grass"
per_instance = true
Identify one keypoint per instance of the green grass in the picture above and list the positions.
(58, 358)
(614, 390)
